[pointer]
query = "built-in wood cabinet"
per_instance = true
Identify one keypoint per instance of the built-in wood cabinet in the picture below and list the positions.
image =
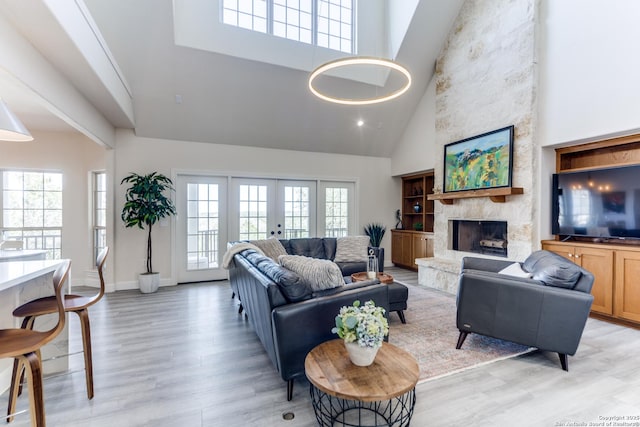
(422, 245)
(627, 285)
(615, 265)
(408, 245)
(616, 269)
(414, 237)
(596, 260)
(401, 248)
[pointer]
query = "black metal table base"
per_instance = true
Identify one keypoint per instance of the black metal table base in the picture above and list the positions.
(334, 411)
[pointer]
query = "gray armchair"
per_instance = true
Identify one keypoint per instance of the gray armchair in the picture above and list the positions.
(547, 310)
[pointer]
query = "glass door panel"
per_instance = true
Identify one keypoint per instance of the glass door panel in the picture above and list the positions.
(201, 227)
(253, 211)
(297, 201)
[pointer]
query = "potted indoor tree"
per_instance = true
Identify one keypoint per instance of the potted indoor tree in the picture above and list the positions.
(145, 204)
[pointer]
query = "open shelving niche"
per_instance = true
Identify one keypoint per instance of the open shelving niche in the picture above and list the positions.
(416, 189)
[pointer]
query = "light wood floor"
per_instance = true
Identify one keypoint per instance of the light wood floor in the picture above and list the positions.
(184, 357)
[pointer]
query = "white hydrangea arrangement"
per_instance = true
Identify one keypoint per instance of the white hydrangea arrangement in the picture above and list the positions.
(365, 324)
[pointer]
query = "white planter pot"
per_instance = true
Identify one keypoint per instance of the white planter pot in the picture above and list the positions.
(149, 282)
(361, 356)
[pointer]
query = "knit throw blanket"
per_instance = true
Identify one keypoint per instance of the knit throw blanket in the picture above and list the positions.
(236, 248)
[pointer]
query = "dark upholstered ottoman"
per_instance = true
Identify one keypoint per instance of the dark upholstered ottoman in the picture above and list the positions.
(398, 295)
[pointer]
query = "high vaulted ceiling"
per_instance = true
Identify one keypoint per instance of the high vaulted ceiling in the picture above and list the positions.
(222, 99)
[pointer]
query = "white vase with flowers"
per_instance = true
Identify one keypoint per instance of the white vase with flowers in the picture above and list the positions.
(363, 328)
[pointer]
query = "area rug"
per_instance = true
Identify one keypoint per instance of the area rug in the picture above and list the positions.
(430, 335)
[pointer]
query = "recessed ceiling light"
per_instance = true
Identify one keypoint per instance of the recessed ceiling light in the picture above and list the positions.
(360, 123)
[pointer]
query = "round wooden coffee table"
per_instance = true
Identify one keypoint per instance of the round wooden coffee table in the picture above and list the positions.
(382, 394)
(383, 277)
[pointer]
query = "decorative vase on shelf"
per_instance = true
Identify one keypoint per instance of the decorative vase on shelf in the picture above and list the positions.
(417, 208)
(361, 356)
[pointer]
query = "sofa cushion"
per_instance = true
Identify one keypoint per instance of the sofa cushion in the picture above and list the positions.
(351, 249)
(312, 247)
(329, 247)
(293, 287)
(552, 269)
(318, 273)
(271, 247)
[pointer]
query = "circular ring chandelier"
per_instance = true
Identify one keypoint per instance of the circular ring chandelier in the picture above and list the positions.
(363, 60)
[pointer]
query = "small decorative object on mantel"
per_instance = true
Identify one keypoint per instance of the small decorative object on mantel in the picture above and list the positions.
(363, 328)
(398, 220)
(417, 208)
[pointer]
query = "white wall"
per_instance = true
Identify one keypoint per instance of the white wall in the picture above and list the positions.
(588, 70)
(399, 16)
(24, 63)
(376, 190)
(415, 151)
(589, 81)
(76, 156)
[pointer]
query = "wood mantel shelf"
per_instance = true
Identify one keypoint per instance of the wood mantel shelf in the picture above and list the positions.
(497, 195)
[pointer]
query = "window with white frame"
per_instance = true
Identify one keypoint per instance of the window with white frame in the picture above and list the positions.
(99, 211)
(32, 209)
(324, 23)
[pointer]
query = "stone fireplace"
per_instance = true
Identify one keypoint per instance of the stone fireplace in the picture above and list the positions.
(478, 236)
(489, 51)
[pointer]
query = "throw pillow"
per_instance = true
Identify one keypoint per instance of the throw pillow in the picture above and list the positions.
(515, 270)
(352, 249)
(318, 273)
(271, 247)
(552, 269)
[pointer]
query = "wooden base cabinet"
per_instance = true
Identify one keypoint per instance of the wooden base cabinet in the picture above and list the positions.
(627, 289)
(616, 269)
(422, 245)
(595, 260)
(407, 245)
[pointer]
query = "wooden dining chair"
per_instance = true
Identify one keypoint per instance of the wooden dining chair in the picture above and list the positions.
(24, 346)
(72, 303)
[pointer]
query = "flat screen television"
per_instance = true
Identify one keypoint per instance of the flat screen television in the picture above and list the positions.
(597, 203)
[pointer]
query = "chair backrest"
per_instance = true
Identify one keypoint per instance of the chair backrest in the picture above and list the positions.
(100, 260)
(12, 244)
(59, 278)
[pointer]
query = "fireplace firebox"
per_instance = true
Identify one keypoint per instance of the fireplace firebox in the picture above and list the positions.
(478, 236)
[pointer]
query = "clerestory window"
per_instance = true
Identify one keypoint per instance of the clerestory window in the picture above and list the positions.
(324, 23)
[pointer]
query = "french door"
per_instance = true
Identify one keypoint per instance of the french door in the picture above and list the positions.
(214, 210)
(267, 207)
(201, 228)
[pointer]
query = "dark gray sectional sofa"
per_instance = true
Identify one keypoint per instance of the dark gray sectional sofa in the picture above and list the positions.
(288, 317)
